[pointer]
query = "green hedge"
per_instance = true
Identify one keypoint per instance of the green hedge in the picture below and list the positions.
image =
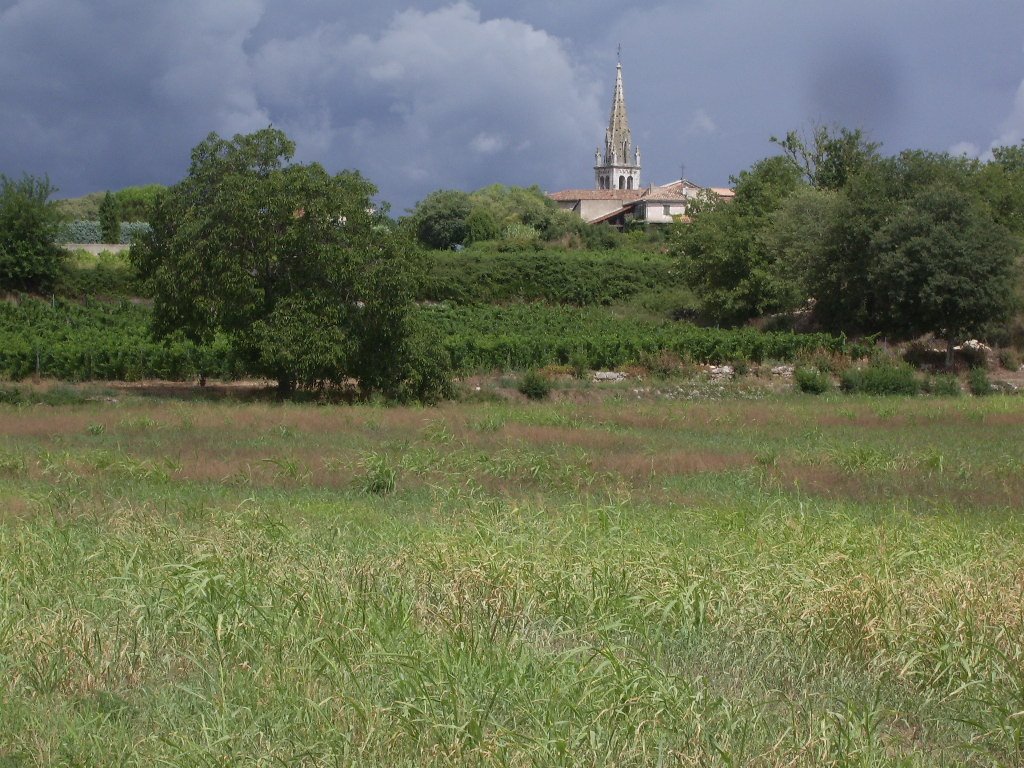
(581, 278)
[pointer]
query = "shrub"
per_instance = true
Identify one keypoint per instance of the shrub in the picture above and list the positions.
(811, 380)
(880, 379)
(11, 396)
(535, 385)
(944, 384)
(579, 363)
(1009, 359)
(662, 363)
(978, 383)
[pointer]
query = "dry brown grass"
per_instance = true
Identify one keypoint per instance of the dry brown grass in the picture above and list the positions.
(637, 466)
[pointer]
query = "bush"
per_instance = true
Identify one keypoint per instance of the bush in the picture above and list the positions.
(535, 385)
(978, 383)
(811, 381)
(944, 384)
(880, 379)
(1009, 359)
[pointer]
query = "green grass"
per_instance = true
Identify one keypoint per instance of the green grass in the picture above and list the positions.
(792, 581)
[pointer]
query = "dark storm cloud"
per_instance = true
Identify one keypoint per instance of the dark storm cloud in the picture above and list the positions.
(422, 95)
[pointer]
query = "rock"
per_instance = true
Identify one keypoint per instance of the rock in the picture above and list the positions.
(719, 372)
(786, 371)
(609, 376)
(973, 345)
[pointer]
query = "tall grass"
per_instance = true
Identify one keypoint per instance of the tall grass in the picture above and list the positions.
(564, 584)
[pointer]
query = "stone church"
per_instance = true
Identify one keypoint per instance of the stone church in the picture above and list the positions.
(617, 196)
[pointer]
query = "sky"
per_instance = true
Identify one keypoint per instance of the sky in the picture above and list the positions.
(419, 96)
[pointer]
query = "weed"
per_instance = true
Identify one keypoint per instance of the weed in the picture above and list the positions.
(978, 382)
(880, 379)
(379, 476)
(811, 381)
(943, 384)
(535, 385)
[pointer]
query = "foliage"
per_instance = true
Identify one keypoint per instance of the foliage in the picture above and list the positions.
(723, 255)
(913, 248)
(880, 379)
(524, 336)
(441, 219)
(1009, 359)
(829, 156)
(943, 384)
(942, 265)
(535, 385)
(94, 340)
(136, 203)
(110, 219)
(296, 267)
(811, 380)
(29, 259)
(104, 275)
(81, 342)
(518, 215)
(978, 382)
(484, 275)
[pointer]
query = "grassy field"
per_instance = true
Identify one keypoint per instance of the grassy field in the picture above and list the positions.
(784, 581)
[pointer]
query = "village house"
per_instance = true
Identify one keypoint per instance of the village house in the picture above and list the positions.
(618, 196)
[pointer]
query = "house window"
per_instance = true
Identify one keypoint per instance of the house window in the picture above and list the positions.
(667, 210)
(622, 182)
(629, 183)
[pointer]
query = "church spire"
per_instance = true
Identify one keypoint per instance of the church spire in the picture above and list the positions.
(620, 168)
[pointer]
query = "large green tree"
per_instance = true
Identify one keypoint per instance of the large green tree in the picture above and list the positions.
(723, 254)
(29, 258)
(441, 219)
(307, 279)
(916, 244)
(943, 265)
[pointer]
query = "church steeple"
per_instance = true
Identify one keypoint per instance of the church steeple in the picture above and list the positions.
(619, 167)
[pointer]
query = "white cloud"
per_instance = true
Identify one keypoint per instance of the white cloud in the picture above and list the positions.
(701, 124)
(488, 143)
(965, 148)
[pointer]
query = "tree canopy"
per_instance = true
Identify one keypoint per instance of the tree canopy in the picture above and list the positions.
(722, 253)
(29, 259)
(917, 243)
(308, 280)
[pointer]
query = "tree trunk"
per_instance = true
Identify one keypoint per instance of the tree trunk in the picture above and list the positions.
(949, 353)
(285, 387)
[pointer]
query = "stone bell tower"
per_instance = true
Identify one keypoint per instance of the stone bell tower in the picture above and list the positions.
(619, 166)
